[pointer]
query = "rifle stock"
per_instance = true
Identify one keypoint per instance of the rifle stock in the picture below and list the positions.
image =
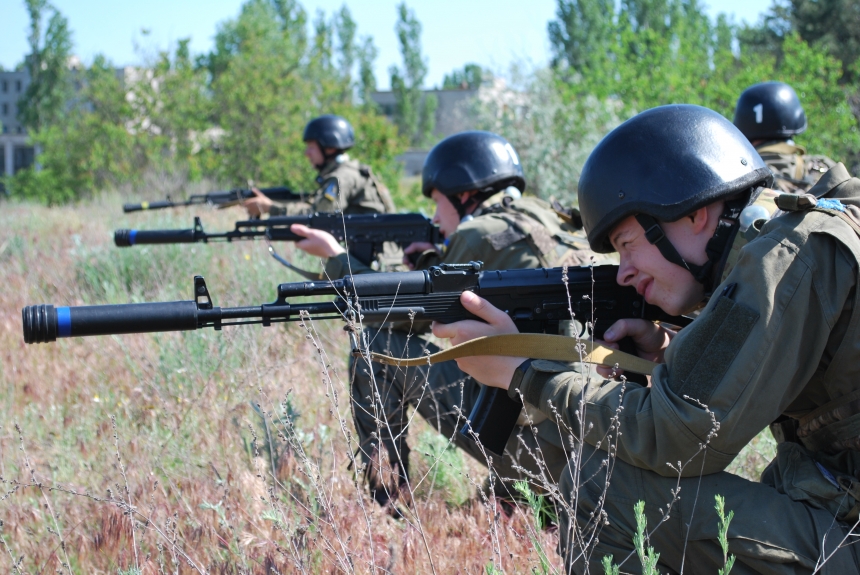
(536, 299)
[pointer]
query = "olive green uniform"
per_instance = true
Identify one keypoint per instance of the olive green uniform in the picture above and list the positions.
(358, 191)
(794, 170)
(525, 233)
(783, 341)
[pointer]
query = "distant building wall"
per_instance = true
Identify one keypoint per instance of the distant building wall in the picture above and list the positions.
(453, 114)
(15, 154)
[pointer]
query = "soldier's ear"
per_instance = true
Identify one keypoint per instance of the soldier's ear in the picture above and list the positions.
(705, 217)
(464, 196)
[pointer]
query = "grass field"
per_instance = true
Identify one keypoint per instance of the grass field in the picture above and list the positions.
(208, 452)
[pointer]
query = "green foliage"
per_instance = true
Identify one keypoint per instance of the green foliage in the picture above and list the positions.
(723, 534)
(647, 556)
(367, 53)
(830, 25)
(612, 61)
(540, 513)
(407, 197)
(234, 115)
(50, 87)
(814, 75)
(446, 465)
(609, 568)
(470, 76)
(90, 148)
(415, 112)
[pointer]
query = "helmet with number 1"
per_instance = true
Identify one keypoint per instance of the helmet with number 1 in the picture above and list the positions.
(472, 160)
(664, 164)
(330, 131)
(769, 111)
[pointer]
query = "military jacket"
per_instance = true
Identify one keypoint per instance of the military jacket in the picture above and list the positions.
(794, 170)
(360, 192)
(517, 234)
(780, 337)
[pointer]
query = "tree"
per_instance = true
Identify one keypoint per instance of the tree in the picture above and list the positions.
(833, 25)
(582, 33)
(50, 88)
(272, 79)
(367, 54)
(470, 76)
(414, 111)
(346, 28)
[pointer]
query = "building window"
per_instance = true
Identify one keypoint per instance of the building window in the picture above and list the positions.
(5, 109)
(5, 86)
(20, 130)
(18, 86)
(23, 157)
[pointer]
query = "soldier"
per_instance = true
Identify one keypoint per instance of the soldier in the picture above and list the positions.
(327, 139)
(777, 341)
(769, 114)
(462, 174)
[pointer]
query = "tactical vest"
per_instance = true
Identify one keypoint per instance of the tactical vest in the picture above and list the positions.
(835, 426)
(555, 243)
(794, 171)
(371, 188)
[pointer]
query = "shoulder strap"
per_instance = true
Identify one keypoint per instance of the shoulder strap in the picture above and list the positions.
(381, 188)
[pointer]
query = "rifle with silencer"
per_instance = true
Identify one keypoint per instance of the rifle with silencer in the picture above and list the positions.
(363, 234)
(536, 299)
(219, 199)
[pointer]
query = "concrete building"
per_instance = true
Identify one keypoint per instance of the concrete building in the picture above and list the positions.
(453, 114)
(15, 154)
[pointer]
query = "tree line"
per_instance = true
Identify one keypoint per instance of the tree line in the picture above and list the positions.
(612, 60)
(236, 114)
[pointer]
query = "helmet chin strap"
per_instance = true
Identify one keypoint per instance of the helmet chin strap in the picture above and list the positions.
(716, 249)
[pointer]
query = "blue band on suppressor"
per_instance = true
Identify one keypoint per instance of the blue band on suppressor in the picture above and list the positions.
(131, 235)
(64, 322)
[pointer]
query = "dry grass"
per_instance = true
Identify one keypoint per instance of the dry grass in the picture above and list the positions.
(146, 453)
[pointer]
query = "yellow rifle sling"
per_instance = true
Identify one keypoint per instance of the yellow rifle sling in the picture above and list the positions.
(531, 345)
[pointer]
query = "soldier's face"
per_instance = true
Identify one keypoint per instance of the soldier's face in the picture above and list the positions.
(660, 282)
(446, 216)
(314, 154)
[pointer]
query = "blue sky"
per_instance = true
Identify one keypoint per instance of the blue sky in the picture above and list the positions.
(493, 33)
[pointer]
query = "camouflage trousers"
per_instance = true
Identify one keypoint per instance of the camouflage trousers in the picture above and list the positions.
(444, 396)
(770, 532)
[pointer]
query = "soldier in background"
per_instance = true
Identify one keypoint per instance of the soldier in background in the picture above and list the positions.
(475, 179)
(769, 115)
(327, 140)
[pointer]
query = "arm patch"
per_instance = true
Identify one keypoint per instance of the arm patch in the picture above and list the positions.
(710, 349)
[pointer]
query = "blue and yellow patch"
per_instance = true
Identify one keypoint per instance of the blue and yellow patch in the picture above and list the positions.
(330, 192)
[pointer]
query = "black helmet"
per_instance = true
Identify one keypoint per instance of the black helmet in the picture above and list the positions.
(661, 165)
(472, 160)
(330, 131)
(769, 111)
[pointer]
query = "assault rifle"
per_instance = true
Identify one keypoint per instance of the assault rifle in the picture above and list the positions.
(363, 234)
(536, 299)
(220, 199)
